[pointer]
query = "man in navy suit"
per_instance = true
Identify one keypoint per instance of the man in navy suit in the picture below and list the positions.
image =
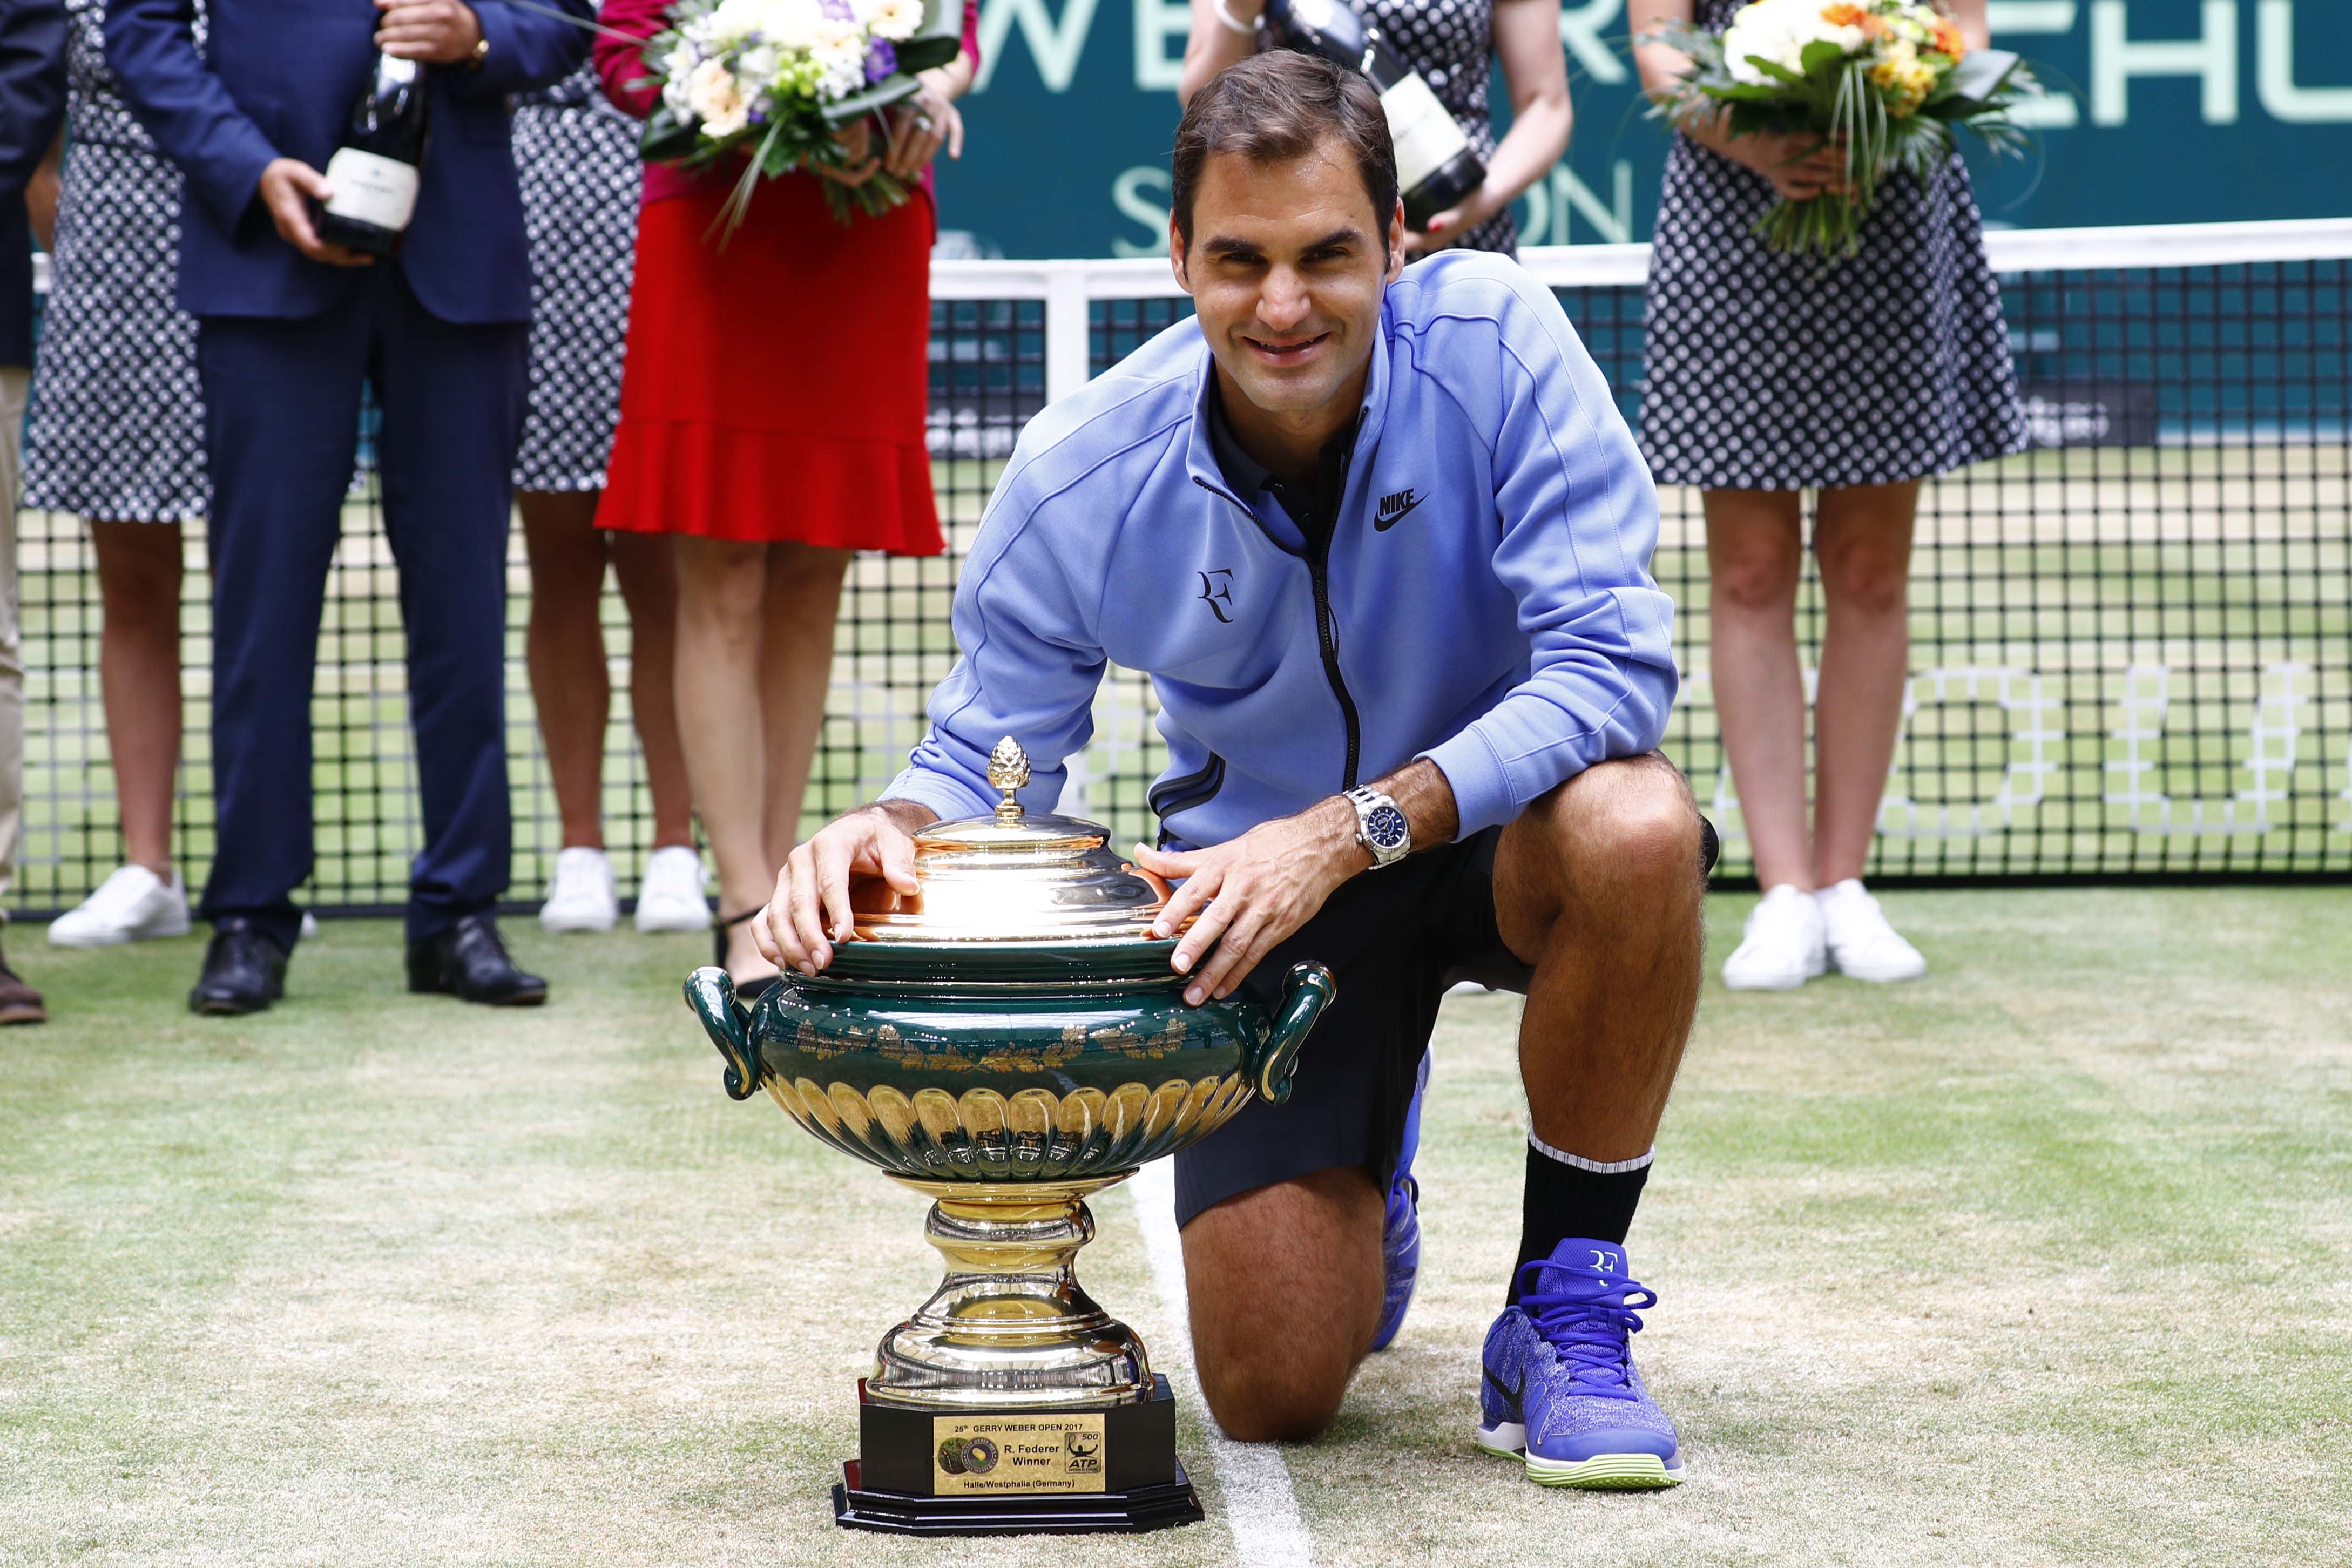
(32, 101)
(290, 327)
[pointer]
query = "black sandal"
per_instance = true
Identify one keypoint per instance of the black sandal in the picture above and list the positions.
(748, 990)
(721, 926)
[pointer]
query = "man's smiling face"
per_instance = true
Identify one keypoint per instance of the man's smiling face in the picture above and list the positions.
(1286, 268)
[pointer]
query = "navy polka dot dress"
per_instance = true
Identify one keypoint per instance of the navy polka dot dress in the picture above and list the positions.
(576, 156)
(1785, 373)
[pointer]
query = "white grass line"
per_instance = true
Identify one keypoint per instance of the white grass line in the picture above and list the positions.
(1260, 1508)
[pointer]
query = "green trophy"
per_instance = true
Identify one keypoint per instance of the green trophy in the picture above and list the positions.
(1008, 1041)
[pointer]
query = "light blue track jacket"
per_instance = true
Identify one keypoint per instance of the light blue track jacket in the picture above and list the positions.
(1487, 600)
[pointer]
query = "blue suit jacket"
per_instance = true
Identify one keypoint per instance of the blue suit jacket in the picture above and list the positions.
(32, 100)
(279, 81)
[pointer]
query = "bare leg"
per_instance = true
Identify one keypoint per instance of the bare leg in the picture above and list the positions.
(1286, 1290)
(802, 608)
(563, 645)
(720, 585)
(1596, 884)
(138, 571)
(646, 565)
(1863, 542)
(1755, 548)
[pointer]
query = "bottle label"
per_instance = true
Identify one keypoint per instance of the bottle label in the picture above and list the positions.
(1425, 135)
(372, 188)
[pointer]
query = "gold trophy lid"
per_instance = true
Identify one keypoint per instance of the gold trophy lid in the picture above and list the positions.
(1010, 878)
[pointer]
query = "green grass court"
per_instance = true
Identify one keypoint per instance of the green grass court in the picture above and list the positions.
(2045, 1260)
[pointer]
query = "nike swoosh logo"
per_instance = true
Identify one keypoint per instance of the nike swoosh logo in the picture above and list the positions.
(1508, 1393)
(1388, 519)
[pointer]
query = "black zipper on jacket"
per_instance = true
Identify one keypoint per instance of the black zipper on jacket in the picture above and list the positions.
(1318, 565)
(1318, 560)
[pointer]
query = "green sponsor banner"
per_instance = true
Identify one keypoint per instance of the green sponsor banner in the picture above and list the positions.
(2161, 112)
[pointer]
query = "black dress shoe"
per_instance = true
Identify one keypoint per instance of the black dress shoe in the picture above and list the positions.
(243, 971)
(469, 961)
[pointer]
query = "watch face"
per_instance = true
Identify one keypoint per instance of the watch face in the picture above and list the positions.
(1386, 828)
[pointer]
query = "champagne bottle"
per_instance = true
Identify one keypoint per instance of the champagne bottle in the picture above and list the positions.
(375, 170)
(1436, 165)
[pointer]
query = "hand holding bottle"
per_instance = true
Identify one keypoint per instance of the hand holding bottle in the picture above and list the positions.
(439, 32)
(289, 186)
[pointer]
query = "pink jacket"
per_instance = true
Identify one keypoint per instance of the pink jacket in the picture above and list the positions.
(621, 62)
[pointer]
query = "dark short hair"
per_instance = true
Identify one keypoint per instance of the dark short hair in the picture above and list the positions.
(1281, 105)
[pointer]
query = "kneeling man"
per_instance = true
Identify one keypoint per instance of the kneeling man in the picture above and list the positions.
(1381, 539)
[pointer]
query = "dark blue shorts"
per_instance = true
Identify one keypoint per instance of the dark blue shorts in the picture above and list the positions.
(1397, 939)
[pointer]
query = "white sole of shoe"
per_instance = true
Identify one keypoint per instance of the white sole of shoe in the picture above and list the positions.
(179, 926)
(1602, 1472)
(1506, 1440)
(1883, 976)
(1772, 982)
(698, 921)
(567, 925)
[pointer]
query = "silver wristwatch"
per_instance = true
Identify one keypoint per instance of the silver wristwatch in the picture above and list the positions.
(1381, 827)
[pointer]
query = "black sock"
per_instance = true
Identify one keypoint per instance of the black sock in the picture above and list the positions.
(1563, 1199)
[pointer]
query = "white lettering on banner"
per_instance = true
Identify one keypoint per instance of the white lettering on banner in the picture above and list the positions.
(1579, 30)
(2018, 691)
(2275, 74)
(2116, 57)
(2270, 751)
(2038, 750)
(1127, 195)
(1054, 46)
(2043, 18)
(1550, 201)
(1156, 22)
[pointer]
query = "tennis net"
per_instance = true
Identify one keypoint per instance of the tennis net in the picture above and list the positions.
(2132, 644)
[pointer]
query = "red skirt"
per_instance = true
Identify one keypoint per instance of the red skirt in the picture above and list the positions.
(775, 381)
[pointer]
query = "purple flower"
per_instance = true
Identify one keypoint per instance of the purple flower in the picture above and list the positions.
(880, 61)
(837, 9)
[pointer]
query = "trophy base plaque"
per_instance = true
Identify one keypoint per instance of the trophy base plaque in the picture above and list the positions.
(1044, 1469)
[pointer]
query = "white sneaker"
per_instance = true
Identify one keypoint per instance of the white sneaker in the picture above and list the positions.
(580, 896)
(132, 905)
(671, 898)
(1862, 945)
(1781, 947)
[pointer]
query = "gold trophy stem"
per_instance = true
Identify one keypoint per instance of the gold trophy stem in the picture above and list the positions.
(1010, 1326)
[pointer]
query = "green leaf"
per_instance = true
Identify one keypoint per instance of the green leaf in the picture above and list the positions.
(666, 139)
(1980, 78)
(881, 95)
(1821, 58)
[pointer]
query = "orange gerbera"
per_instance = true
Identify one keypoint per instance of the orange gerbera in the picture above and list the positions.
(1845, 16)
(1948, 37)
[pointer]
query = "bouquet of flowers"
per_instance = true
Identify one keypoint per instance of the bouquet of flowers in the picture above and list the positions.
(775, 79)
(1883, 80)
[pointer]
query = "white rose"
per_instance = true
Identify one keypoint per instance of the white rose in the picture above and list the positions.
(790, 23)
(734, 21)
(896, 20)
(715, 100)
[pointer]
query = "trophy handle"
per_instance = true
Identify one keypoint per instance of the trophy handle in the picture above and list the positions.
(1306, 991)
(710, 992)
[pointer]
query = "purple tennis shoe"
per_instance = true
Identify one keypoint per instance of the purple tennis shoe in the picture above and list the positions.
(1561, 1390)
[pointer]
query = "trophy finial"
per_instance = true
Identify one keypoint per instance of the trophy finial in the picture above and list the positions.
(1008, 770)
